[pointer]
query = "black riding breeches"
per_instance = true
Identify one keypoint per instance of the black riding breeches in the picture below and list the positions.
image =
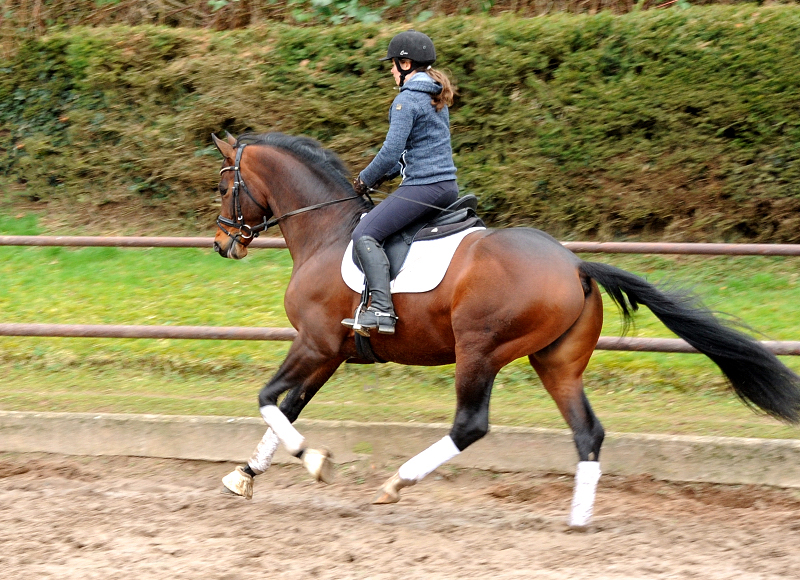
(394, 213)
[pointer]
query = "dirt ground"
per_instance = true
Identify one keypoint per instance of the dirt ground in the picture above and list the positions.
(116, 517)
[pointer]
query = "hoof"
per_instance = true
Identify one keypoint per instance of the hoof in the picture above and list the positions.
(237, 482)
(384, 497)
(390, 492)
(225, 491)
(319, 465)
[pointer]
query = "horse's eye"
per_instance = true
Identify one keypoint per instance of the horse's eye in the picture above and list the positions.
(222, 189)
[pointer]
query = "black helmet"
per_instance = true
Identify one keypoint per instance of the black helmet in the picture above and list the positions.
(412, 45)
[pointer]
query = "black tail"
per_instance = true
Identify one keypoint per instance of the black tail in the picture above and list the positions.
(757, 376)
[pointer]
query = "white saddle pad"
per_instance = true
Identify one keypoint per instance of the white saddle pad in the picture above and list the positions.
(423, 270)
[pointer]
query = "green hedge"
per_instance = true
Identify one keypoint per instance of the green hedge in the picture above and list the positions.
(679, 124)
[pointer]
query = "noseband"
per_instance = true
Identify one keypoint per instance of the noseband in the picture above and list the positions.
(247, 232)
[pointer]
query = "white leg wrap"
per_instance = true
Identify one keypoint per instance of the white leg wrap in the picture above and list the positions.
(262, 456)
(288, 435)
(416, 468)
(586, 477)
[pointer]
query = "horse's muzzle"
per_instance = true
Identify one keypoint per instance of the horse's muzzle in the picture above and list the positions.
(230, 249)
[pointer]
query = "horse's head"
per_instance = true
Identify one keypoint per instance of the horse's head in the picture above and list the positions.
(240, 211)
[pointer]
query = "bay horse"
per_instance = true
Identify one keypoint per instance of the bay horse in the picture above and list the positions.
(507, 294)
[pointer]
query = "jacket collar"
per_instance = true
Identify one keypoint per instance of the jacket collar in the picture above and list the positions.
(421, 82)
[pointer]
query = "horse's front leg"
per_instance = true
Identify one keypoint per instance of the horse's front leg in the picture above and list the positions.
(303, 372)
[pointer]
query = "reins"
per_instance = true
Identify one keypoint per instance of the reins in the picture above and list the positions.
(245, 231)
(394, 194)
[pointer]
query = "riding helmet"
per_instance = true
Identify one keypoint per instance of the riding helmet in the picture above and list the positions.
(412, 45)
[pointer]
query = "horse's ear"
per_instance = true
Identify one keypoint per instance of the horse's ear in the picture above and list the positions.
(230, 139)
(224, 147)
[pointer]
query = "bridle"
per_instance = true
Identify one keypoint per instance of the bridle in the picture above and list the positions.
(247, 232)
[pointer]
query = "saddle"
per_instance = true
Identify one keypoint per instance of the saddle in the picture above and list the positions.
(457, 217)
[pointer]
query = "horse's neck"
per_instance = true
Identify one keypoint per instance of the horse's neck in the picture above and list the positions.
(310, 239)
(310, 233)
(294, 186)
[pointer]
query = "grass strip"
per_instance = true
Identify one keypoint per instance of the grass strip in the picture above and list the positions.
(630, 391)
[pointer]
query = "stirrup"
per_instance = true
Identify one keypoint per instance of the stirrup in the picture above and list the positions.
(371, 319)
(384, 322)
(354, 322)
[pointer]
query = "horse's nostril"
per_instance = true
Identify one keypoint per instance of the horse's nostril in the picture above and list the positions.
(217, 247)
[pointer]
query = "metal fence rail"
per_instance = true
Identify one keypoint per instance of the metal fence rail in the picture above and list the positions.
(267, 242)
(668, 345)
(128, 242)
(780, 347)
(147, 331)
(685, 249)
(675, 345)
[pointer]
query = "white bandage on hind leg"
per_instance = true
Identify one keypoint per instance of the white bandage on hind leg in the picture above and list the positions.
(416, 468)
(288, 435)
(262, 456)
(586, 477)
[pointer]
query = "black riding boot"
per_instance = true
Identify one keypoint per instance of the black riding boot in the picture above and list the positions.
(380, 313)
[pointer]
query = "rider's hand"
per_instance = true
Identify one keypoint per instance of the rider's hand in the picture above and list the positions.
(360, 187)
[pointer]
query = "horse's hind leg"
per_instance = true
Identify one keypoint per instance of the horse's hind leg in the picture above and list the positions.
(474, 379)
(561, 366)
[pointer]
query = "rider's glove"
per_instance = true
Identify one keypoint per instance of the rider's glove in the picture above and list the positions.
(360, 187)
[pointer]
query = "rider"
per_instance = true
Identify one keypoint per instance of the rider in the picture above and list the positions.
(417, 146)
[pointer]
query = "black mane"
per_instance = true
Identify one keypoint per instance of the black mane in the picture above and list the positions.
(310, 151)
